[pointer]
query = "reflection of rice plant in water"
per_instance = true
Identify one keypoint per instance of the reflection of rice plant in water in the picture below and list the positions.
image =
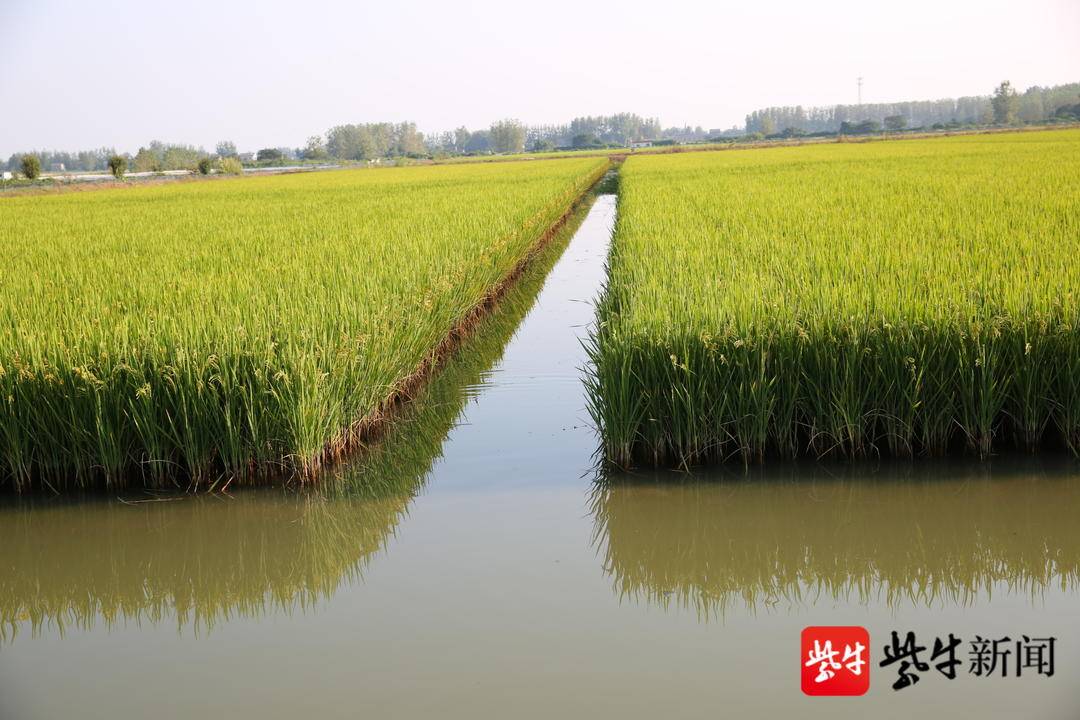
(794, 535)
(201, 559)
(240, 328)
(908, 297)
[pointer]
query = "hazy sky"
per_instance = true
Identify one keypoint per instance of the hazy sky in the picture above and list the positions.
(267, 73)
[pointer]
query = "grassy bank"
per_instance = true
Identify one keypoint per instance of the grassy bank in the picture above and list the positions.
(900, 298)
(206, 332)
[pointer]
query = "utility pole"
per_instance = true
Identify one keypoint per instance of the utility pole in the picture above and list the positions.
(860, 89)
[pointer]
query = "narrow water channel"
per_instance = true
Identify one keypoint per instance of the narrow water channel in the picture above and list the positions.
(482, 569)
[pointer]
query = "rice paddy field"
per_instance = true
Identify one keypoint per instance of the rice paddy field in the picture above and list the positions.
(76, 560)
(904, 298)
(205, 333)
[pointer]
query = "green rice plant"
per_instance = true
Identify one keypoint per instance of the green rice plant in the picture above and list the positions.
(205, 333)
(902, 298)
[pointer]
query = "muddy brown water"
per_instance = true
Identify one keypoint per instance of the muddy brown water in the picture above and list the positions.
(481, 569)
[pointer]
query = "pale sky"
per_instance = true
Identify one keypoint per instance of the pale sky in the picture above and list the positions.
(77, 75)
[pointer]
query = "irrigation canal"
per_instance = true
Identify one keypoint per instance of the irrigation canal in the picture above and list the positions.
(488, 573)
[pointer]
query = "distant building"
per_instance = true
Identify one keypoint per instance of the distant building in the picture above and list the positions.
(7, 175)
(641, 144)
(57, 167)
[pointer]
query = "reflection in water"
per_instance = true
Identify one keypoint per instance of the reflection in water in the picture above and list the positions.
(202, 559)
(919, 534)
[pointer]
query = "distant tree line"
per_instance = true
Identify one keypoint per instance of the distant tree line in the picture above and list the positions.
(686, 134)
(1068, 112)
(503, 136)
(158, 156)
(88, 160)
(617, 129)
(367, 141)
(374, 142)
(377, 141)
(510, 136)
(1036, 104)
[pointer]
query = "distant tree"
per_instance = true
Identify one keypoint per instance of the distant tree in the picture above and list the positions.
(543, 145)
(440, 143)
(268, 154)
(376, 140)
(30, 166)
(865, 127)
(1032, 106)
(407, 140)
(315, 149)
(507, 136)
(226, 148)
(373, 140)
(461, 139)
(343, 142)
(895, 123)
(619, 129)
(118, 165)
(1006, 103)
(479, 142)
(768, 125)
(585, 140)
(230, 166)
(181, 157)
(1068, 112)
(205, 166)
(146, 160)
(90, 160)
